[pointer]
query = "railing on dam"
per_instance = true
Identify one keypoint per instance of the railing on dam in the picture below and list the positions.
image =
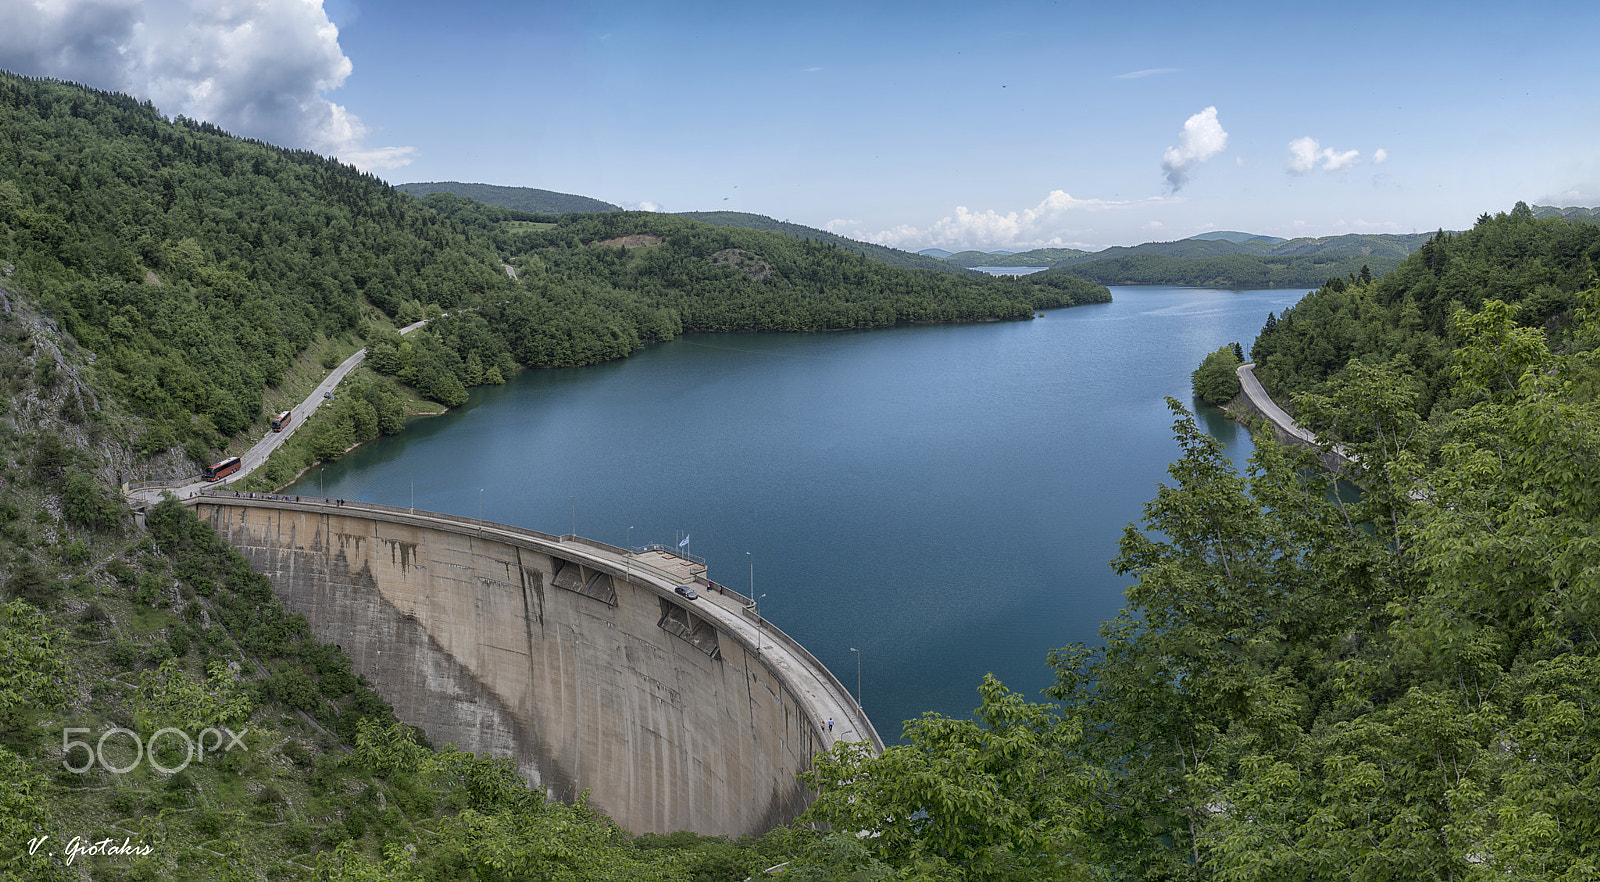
(618, 561)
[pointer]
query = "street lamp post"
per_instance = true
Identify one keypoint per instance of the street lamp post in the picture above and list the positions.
(858, 675)
(627, 558)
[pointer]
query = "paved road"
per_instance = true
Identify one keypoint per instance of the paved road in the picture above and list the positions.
(253, 458)
(812, 683)
(1278, 416)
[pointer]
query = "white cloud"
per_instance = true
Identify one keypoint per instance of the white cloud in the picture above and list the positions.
(1046, 225)
(1380, 156)
(1202, 138)
(1339, 161)
(257, 68)
(1141, 74)
(1306, 153)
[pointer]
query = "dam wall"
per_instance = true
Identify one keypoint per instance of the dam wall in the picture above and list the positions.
(575, 659)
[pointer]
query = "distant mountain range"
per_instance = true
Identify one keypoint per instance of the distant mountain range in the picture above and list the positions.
(1221, 258)
(551, 203)
(1231, 236)
(1580, 215)
(517, 198)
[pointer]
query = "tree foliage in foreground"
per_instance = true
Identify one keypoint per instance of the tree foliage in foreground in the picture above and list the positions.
(1404, 685)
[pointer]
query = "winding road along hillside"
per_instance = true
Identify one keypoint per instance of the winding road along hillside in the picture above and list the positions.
(252, 459)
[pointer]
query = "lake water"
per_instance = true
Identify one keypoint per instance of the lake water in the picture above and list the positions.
(942, 498)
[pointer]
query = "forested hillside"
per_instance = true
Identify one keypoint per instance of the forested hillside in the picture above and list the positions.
(647, 276)
(1536, 266)
(196, 265)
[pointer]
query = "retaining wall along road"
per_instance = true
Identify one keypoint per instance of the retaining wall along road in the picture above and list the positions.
(579, 663)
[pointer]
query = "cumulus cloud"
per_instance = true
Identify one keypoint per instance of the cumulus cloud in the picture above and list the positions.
(1305, 154)
(1046, 225)
(1380, 156)
(257, 68)
(1202, 138)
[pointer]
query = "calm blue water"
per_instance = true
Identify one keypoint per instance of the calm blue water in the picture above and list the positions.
(944, 499)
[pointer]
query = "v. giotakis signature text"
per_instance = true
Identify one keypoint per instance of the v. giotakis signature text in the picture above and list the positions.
(79, 846)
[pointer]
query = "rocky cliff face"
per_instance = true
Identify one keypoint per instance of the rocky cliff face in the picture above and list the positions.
(48, 389)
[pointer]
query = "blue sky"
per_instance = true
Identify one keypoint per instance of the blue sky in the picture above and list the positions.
(992, 126)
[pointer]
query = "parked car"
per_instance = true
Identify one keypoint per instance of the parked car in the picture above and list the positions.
(686, 591)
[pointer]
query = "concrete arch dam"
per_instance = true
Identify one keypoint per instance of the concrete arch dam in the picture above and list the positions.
(574, 658)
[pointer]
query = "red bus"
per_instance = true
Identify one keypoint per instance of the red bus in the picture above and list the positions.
(223, 469)
(281, 421)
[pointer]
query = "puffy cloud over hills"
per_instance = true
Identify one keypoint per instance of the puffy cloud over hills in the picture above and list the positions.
(1047, 225)
(1202, 138)
(257, 68)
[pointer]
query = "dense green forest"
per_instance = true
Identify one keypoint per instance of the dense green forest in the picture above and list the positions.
(1537, 266)
(525, 199)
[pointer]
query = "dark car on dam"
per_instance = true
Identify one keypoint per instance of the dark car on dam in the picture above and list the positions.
(686, 591)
